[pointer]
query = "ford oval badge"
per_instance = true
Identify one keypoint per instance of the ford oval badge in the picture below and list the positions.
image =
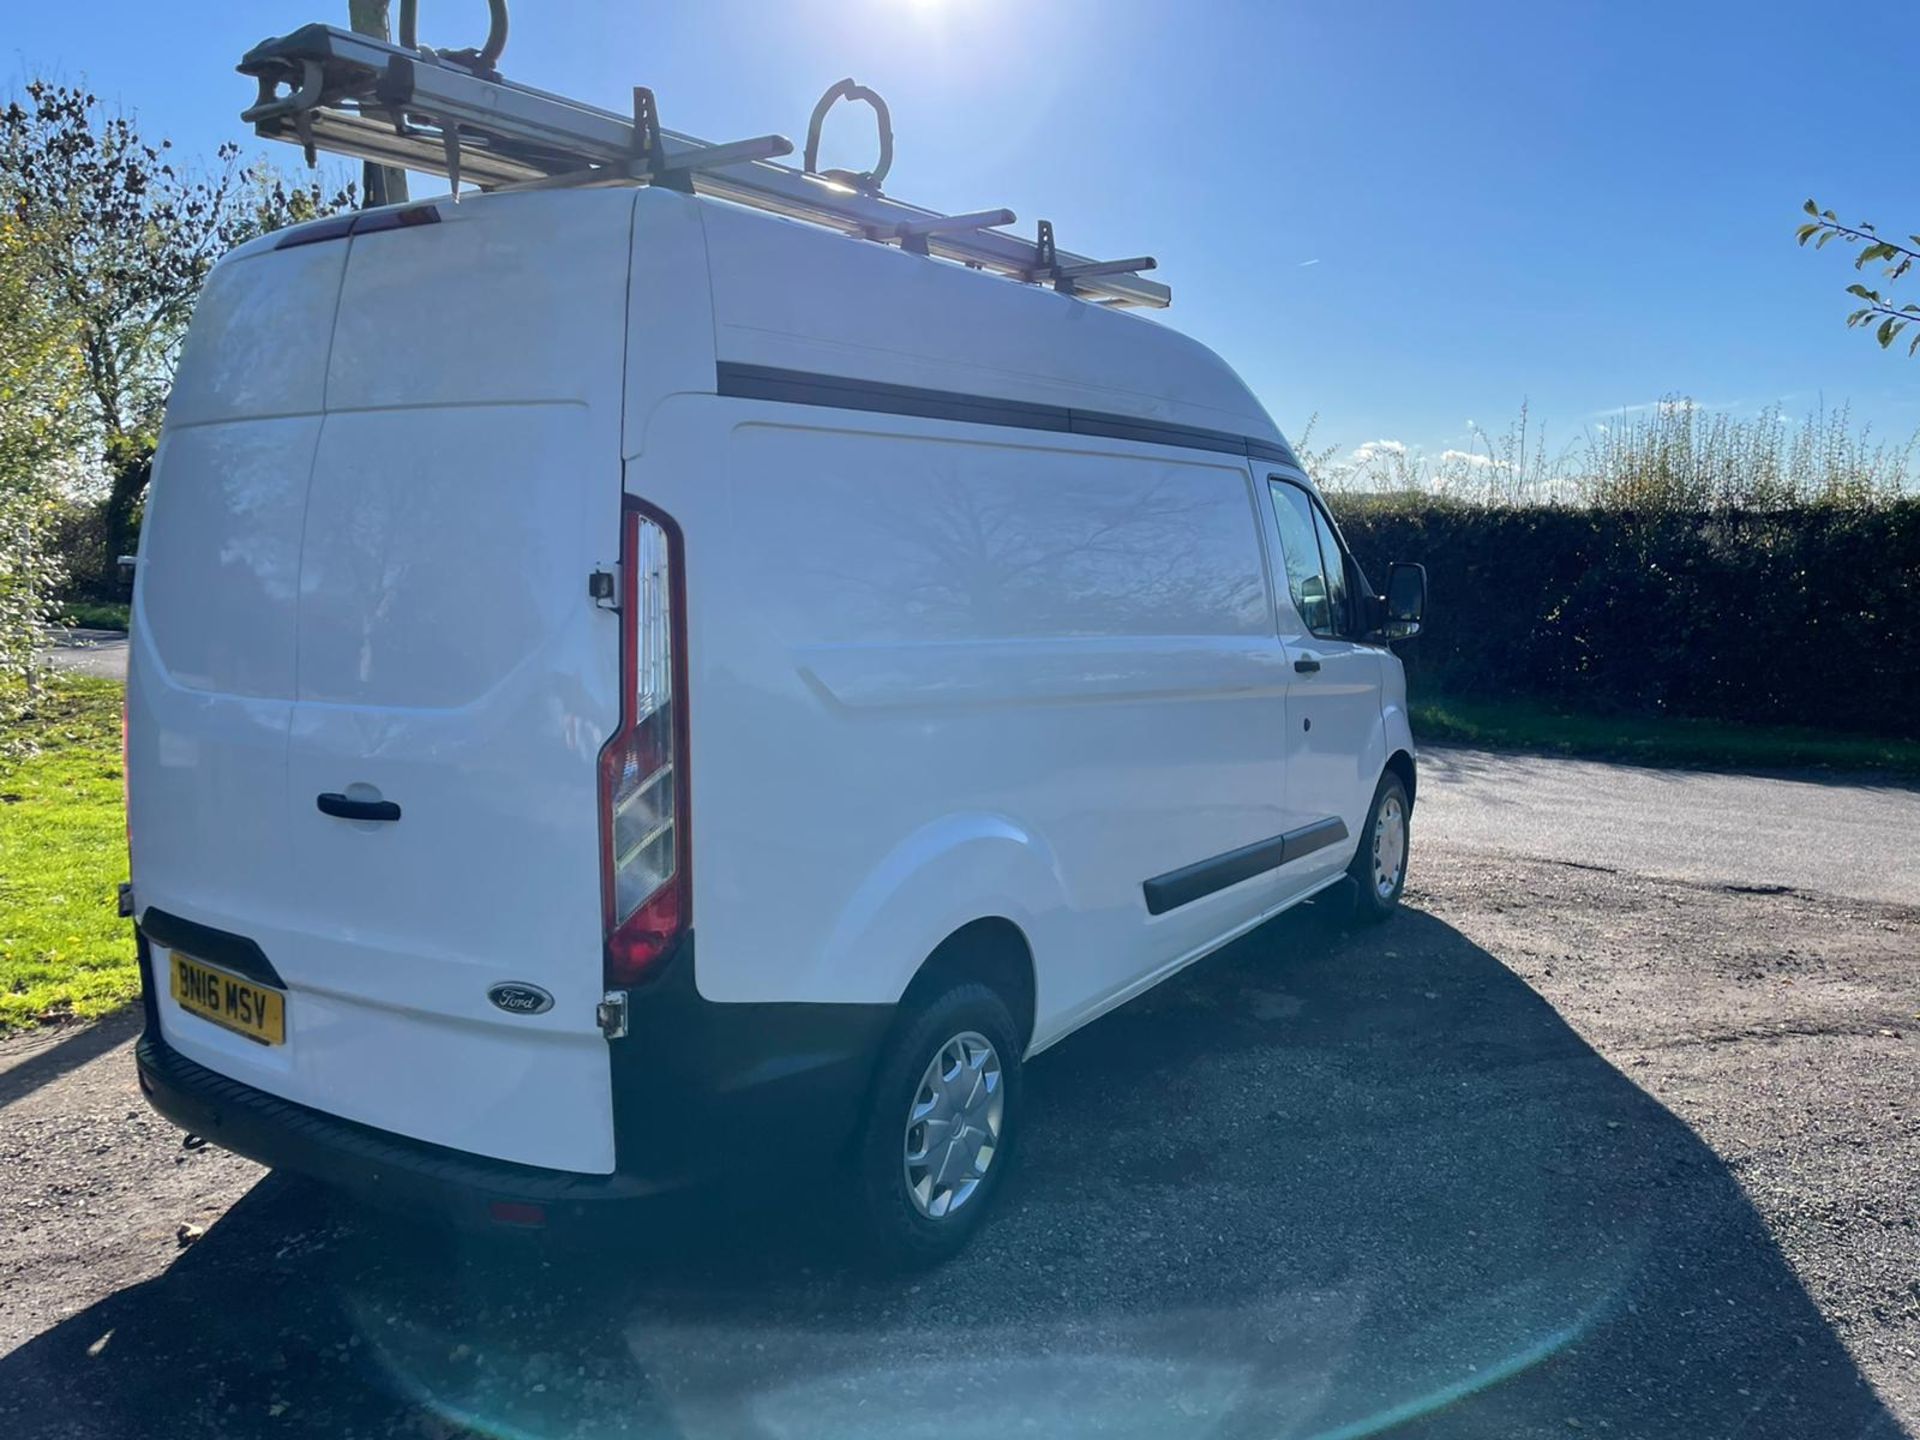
(518, 999)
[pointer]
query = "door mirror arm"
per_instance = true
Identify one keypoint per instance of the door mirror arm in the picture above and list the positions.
(1373, 618)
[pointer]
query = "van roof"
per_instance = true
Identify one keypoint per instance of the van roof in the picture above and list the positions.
(795, 297)
(804, 303)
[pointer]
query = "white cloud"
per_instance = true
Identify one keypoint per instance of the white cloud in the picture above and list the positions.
(1376, 450)
(1468, 457)
(1304, 263)
(1666, 405)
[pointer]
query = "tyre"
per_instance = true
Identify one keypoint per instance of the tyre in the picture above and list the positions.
(941, 1118)
(1379, 867)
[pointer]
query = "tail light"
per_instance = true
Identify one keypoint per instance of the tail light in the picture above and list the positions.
(645, 885)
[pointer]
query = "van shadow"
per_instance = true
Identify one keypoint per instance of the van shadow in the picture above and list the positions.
(1328, 1183)
(57, 1051)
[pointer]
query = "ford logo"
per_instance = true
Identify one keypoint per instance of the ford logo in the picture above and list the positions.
(518, 999)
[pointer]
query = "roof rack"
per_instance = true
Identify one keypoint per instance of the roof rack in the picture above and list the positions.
(452, 114)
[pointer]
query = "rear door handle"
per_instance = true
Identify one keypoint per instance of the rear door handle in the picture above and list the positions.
(1306, 667)
(342, 808)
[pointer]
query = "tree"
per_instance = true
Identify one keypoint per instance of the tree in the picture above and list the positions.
(39, 387)
(384, 184)
(121, 236)
(1879, 312)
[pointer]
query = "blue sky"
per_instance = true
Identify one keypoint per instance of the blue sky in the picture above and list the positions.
(1402, 217)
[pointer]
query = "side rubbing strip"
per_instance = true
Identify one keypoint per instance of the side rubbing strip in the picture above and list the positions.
(1192, 882)
(799, 387)
(1317, 836)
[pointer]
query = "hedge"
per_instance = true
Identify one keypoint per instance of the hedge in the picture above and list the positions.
(1805, 616)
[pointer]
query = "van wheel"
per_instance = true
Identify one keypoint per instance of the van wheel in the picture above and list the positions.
(1379, 867)
(939, 1129)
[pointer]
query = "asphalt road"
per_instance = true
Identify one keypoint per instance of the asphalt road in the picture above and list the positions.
(100, 653)
(1603, 1134)
(1836, 835)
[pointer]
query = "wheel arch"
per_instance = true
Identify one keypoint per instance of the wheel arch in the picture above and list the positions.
(992, 951)
(1401, 763)
(979, 885)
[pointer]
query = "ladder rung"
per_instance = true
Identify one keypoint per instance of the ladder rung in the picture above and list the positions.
(737, 152)
(947, 224)
(346, 91)
(1102, 267)
(346, 133)
(631, 172)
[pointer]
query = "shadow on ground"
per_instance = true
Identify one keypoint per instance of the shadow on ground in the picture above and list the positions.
(1325, 1184)
(63, 1050)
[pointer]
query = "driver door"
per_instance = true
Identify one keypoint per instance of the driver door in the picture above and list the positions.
(1334, 684)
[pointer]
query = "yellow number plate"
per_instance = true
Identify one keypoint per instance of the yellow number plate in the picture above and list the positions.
(241, 1006)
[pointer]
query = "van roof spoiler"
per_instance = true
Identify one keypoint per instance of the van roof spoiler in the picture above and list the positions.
(452, 114)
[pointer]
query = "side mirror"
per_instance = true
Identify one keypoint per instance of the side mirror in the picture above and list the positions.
(1406, 600)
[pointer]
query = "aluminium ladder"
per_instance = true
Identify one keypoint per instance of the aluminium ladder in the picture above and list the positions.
(448, 114)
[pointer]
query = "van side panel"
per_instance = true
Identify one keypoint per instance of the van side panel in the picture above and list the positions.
(938, 674)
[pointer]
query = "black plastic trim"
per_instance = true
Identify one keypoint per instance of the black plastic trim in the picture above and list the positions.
(698, 1083)
(217, 947)
(1267, 450)
(1202, 878)
(344, 807)
(377, 1164)
(336, 227)
(361, 222)
(739, 381)
(149, 997)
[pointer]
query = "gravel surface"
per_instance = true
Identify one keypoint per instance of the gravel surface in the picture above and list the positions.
(1562, 1148)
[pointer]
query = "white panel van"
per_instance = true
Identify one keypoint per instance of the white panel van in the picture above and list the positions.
(623, 685)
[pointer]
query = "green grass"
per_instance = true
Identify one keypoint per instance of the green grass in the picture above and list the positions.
(63, 950)
(93, 614)
(1653, 740)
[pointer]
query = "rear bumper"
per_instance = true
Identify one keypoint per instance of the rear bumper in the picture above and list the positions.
(697, 1085)
(389, 1170)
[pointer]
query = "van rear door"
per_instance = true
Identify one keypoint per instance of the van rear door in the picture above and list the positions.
(422, 525)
